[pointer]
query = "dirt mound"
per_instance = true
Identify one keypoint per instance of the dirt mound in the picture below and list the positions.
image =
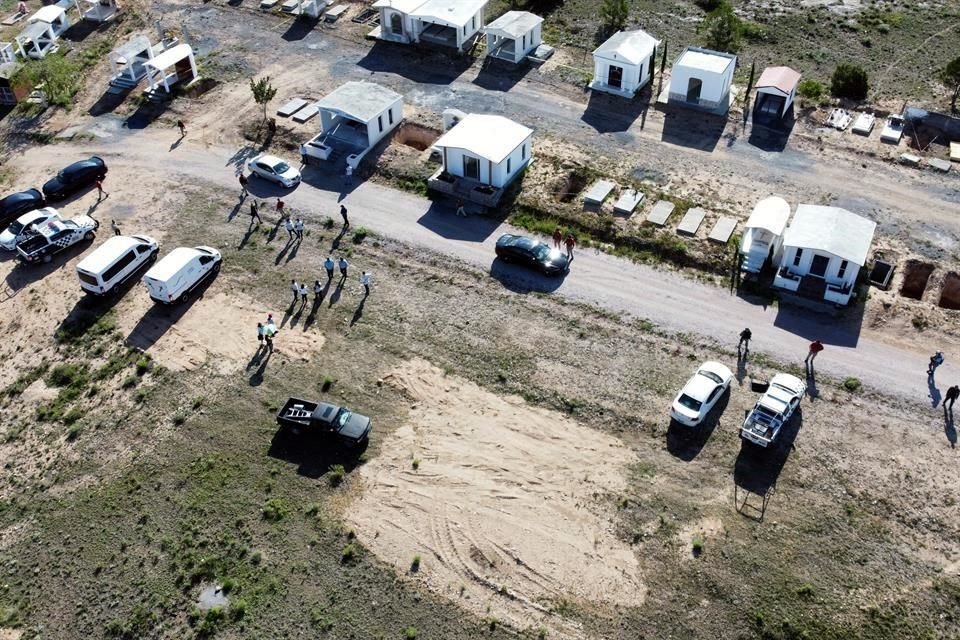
(504, 503)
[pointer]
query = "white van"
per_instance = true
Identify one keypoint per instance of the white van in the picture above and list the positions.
(180, 272)
(114, 262)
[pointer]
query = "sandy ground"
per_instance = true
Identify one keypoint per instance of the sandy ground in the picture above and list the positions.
(506, 508)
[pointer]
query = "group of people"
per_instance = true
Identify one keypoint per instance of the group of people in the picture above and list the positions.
(743, 347)
(567, 241)
(301, 291)
(266, 331)
(950, 397)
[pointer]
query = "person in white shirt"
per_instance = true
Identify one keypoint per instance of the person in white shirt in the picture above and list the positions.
(296, 290)
(317, 292)
(288, 225)
(303, 294)
(298, 228)
(365, 283)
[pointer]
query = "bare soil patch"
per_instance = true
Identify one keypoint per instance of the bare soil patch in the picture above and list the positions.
(950, 294)
(915, 277)
(504, 501)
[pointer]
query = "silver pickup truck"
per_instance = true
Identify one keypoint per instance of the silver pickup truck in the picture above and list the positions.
(773, 410)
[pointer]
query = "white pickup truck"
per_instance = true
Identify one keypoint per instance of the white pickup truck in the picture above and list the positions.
(773, 410)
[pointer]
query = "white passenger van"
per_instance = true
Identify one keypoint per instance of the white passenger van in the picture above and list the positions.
(114, 262)
(180, 272)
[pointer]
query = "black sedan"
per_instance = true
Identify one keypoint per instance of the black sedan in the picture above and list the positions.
(532, 253)
(17, 204)
(75, 177)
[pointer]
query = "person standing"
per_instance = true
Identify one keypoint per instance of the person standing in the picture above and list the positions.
(744, 343)
(951, 396)
(116, 229)
(260, 334)
(365, 283)
(101, 194)
(268, 333)
(317, 291)
(328, 265)
(254, 212)
(570, 243)
(935, 361)
(243, 185)
(343, 214)
(815, 347)
(343, 268)
(303, 294)
(280, 205)
(288, 225)
(460, 210)
(298, 228)
(183, 128)
(295, 288)
(557, 237)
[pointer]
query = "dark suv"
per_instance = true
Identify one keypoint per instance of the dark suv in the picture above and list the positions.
(17, 204)
(77, 176)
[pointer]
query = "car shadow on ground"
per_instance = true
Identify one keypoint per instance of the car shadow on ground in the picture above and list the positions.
(693, 129)
(441, 218)
(314, 453)
(90, 308)
(160, 317)
(757, 469)
(419, 64)
(523, 280)
(686, 443)
(23, 275)
(841, 330)
(613, 114)
(265, 190)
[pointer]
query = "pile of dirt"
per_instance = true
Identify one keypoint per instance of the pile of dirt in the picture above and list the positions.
(510, 507)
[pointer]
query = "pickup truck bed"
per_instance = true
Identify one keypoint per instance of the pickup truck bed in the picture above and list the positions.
(296, 413)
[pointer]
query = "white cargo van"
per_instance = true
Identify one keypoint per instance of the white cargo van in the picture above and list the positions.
(180, 272)
(114, 262)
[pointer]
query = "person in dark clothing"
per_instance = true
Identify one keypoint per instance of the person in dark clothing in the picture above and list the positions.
(182, 127)
(815, 347)
(243, 186)
(557, 237)
(744, 343)
(935, 361)
(255, 213)
(343, 214)
(951, 396)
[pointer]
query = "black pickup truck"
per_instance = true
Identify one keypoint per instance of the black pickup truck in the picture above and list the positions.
(304, 416)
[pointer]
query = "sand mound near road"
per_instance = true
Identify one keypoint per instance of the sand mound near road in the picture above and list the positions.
(508, 509)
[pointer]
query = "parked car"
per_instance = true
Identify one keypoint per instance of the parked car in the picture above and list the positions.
(21, 227)
(180, 272)
(73, 178)
(19, 203)
(532, 253)
(54, 236)
(274, 169)
(299, 415)
(773, 410)
(114, 262)
(701, 393)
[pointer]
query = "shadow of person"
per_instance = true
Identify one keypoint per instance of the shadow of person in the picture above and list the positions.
(257, 378)
(233, 212)
(335, 296)
(812, 392)
(176, 144)
(934, 393)
(274, 230)
(255, 360)
(283, 252)
(741, 369)
(246, 237)
(336, 241)
(288, 313)
(949, 429)
(359, 312)
(293, 251)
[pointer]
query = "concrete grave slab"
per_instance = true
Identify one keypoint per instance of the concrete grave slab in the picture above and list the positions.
(692, 221)
(955, 151)
(292, 107)
(660, 212)
(598, 192)
(939, 165)
(306, 113)
(628, 201)
(723, 229)
(910, 159)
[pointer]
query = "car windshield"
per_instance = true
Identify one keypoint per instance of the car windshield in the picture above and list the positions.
(343, 417)
(711, 376)
(15, 227)
(542, 252)
(281, 167)
(690, 403)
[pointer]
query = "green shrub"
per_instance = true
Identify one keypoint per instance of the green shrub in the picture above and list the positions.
(415, 564)
(59, 75)
(238, 609)
(143, 365)
(360, 234)
(328, 382)
(228, 585)
(275, 510)
(698, 543)
(65, 375)
(336, 475)
(852, 384)
(348, 554)
(72, 416)
(810, 89)
(410, 633)
(849, 81)
(129, 382)
(951, 74)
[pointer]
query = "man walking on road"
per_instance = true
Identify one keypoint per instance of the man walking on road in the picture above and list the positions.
(343, 214)
(298, 228)
(328, 265)
(744, 343)
(815, 347)
(570, 243)
(101, 194)
(295, 288)
(935, 361)
(288, 225)
(254, 212)
(183, 128)
(343, 268)
(365, 283)
(116, 229)
(557, 237)
(951, 396)
(460, 210)
(242, 179)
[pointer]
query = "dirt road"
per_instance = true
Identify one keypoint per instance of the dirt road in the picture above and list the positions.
(668, 299)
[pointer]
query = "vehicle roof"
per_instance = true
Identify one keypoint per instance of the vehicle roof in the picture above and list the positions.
(783, 388)
(699, 386)
(84, 162)
(30, 216)
(326, 411)
(55, 225)
(269, 159)
(171, 263)
(513, 240)
(22, 195)
(717, 368)
(107, 253)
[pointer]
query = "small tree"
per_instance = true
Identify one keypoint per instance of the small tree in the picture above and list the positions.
(810, 89)
(263, 92)
(849, 81)
(951, 74)
(614, 14)
(722, 29)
